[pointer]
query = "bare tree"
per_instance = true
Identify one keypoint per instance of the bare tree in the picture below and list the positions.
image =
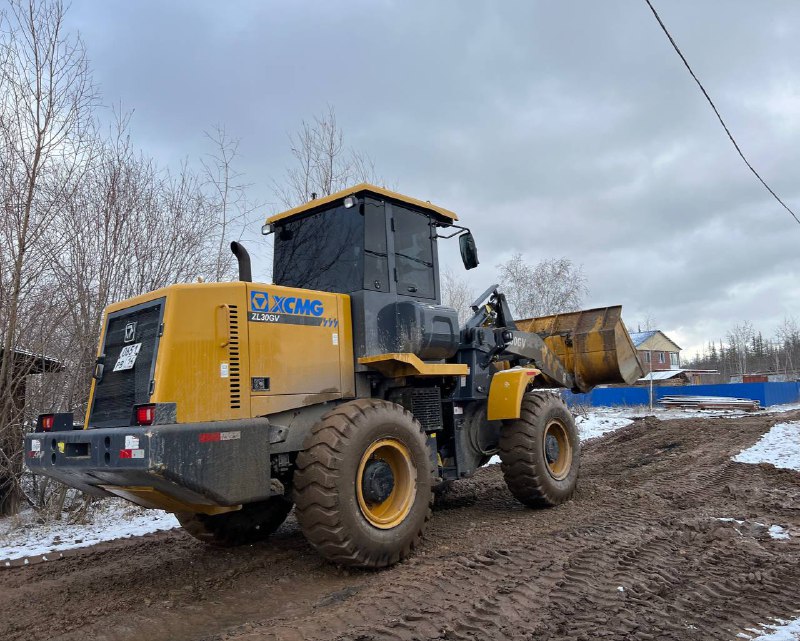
(740, 339)
(228, 197)
(649, 323)
(46, 96)
(548, 287)
(457, 293)
(788, 337)
(322, 163)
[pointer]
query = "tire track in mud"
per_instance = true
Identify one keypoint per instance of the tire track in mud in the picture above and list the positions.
(645, 519)
(570, 590)
(680, 577)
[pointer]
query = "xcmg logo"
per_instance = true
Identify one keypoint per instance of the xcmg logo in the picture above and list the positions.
(264, 302)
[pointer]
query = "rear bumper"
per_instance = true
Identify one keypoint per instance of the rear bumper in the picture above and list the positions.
(198, 467)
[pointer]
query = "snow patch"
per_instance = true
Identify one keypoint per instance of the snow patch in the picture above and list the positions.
(777, 532)
(594, 424)
(779, 447)
(780, 630)
(674, 413)
(115, 519)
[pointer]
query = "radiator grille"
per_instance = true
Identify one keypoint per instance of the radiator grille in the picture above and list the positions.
(426, 406)
(117, 392)
(425, 403)
(234, 378)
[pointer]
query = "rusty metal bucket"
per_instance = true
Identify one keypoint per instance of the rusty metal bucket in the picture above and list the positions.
(593, 344)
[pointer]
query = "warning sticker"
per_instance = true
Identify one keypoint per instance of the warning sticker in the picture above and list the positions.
(36, 445)
(127, 357)
(230, 436)
(131, 442)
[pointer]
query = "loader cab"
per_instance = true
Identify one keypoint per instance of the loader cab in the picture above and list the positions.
(361, 239)
(378, 246)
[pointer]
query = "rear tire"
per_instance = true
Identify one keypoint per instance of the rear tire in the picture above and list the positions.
(540, 451)
(363, 484)
(253, 523)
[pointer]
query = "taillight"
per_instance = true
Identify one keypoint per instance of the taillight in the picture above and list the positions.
(48, 421)
(145, 414)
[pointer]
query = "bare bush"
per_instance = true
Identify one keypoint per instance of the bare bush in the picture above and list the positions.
(548, 287)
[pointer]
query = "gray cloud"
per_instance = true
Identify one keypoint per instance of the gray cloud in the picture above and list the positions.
(566, 128)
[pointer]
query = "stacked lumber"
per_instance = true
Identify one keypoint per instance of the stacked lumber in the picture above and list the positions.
(711, 403)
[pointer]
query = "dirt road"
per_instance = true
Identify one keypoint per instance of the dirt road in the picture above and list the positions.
(638, 554)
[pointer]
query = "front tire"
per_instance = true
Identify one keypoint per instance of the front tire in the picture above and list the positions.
(363, 484)
(540, 451)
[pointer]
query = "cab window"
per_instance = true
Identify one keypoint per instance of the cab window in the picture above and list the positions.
(413, 248)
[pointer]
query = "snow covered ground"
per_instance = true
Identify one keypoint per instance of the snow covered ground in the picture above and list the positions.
(22, 537)
(780, 447)
(667, 414)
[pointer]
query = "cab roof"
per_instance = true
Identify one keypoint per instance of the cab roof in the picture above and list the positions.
(363, 188)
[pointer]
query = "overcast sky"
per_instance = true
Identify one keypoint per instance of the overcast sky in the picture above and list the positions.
(552, 128)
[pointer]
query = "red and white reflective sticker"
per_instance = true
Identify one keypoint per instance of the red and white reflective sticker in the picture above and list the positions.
(215, 437)
(129, 453)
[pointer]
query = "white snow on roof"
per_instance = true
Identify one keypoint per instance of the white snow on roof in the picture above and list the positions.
(662, 375)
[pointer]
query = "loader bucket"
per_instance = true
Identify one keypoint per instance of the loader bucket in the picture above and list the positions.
(593, 344)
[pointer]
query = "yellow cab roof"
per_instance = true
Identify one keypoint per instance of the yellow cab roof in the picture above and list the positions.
(358, 189)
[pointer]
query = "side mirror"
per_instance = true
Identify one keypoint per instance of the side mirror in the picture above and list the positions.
(469, 252)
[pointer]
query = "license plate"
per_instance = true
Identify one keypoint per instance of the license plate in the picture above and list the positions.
(127, 357)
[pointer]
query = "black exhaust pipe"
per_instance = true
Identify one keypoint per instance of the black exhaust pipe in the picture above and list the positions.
(243, 257)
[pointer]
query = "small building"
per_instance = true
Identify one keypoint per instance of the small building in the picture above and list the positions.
(26, 364)
(656, 351)
(679, 377)
(760, 377)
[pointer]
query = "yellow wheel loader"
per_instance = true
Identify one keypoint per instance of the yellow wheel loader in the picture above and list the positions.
(344, 388)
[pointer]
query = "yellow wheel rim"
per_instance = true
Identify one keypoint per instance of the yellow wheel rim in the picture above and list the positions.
(393, 510)
(558, 450)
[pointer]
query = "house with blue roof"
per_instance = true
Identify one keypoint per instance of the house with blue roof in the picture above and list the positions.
(656, 350)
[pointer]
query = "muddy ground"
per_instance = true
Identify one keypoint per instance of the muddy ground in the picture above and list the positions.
(638, 554)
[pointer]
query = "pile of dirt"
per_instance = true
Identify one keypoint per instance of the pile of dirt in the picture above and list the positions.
(640, 553)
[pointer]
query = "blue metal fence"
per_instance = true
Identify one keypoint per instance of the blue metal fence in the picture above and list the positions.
(766, 393)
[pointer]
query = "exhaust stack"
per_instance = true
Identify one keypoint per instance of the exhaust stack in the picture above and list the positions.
(245, 273)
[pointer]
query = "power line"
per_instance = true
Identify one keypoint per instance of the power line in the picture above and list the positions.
(716, 111)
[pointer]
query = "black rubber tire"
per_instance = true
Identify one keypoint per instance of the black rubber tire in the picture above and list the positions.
(326, 501)
(522, 452)
(253, 523)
